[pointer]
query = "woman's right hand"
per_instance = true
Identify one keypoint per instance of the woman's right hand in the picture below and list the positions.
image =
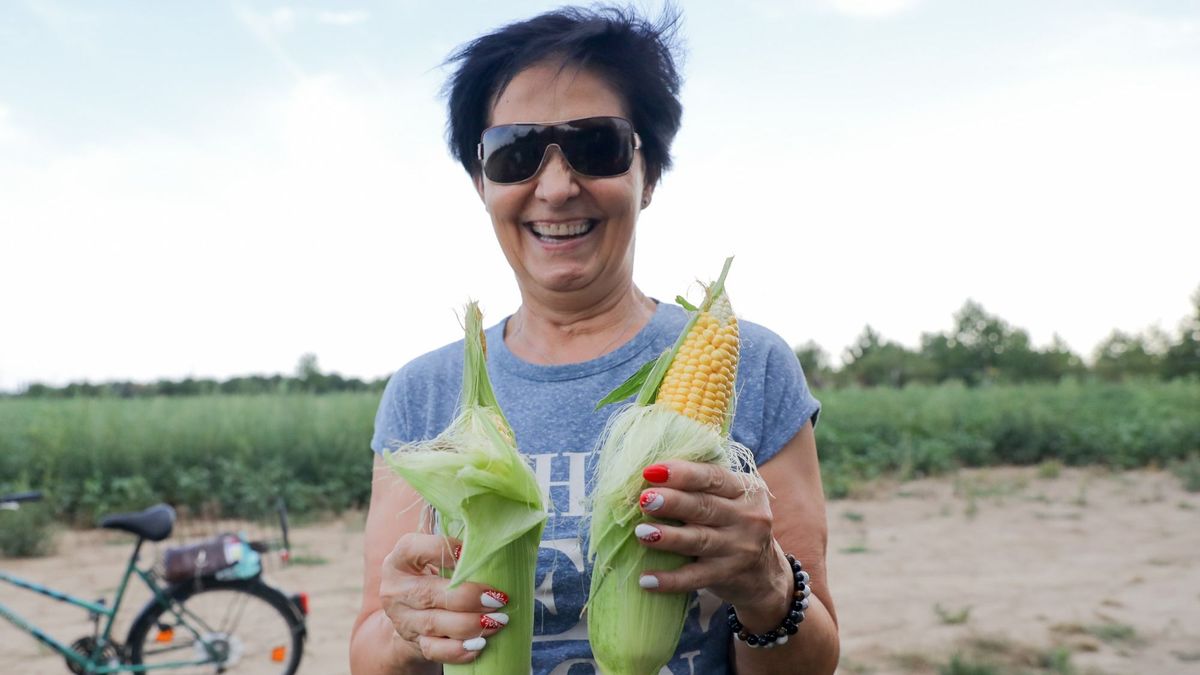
(444, 625)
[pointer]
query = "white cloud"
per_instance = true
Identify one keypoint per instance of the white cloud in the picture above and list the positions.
(8, 133)
(871, 9)
(281, 18)
(779, 10)
(342, 18)
(1123, 37)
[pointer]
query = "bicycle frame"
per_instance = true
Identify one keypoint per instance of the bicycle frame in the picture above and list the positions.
(92, 663)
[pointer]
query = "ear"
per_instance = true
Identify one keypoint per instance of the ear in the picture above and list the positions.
(647, 196)
(478, 180)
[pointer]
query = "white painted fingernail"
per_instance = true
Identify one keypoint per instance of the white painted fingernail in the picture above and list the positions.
(493, 599)
(648, 581)
(647, 532)
(494, 620)
(474, 644)
(651, 501)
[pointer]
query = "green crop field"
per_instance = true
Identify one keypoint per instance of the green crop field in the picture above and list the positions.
(235, 454)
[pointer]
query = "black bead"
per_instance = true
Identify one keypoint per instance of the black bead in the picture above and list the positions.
(742, 635)
(752, 640)
(797, 604)
(790, 558)
(795, 617)
(770, 636)
(791, 629)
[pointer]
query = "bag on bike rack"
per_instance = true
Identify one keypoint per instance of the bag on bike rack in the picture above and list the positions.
(202, 559)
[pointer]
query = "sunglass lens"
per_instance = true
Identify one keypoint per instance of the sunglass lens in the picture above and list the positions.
(513, 152)
(598, 146)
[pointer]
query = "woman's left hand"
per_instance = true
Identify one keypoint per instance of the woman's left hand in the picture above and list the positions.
(725, 527)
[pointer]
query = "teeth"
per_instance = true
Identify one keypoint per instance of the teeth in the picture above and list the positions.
(562, 229)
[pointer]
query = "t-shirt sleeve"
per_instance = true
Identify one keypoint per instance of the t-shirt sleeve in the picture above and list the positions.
(391, 422)
(787, 401)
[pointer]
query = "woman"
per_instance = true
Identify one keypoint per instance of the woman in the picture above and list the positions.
(564, 123)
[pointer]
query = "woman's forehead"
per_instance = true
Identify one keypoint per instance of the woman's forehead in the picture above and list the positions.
(549, 92)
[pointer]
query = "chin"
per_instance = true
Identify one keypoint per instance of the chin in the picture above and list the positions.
(563, 279)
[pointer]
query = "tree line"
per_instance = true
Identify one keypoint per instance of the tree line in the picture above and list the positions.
(307, 378)
(980, 348)
(983, 348)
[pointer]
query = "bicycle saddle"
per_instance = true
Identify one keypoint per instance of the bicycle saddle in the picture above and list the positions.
(154, 523)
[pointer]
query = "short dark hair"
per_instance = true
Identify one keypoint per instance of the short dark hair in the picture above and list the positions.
(637, 57)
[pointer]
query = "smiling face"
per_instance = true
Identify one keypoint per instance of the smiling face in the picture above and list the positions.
(560, 231)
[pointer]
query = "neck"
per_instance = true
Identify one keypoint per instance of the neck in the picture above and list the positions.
(572, 330)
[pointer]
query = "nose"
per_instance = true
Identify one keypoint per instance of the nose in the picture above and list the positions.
(556, 182)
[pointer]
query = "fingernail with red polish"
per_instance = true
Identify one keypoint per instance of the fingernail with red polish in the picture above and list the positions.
(651, 501)
(647, 532)
(648, 581)
(656, 473)
(458, 552)
(493, 599)
(493, 620)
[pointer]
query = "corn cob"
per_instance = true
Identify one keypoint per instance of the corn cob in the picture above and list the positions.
(684, 409)
(486, 495)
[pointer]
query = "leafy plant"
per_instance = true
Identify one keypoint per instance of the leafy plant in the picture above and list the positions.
(27, 532)
(1188, 471)
(952, 617)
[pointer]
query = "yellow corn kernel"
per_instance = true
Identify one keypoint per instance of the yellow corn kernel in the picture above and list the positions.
(702, 373)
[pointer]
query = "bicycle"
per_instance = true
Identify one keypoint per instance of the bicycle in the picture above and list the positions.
(215, 621)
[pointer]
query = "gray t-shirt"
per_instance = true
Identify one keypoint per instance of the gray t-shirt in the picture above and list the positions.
(551, 409)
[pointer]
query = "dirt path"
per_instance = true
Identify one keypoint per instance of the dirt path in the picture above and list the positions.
(1002, 565)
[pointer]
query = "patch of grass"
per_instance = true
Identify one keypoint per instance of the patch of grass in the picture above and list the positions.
(856, 548)
(965, 665)
(309, 560)
(1113, 632)
(913, 662)
(1081, 498)
(853, 516)
(1058, 661)
(987, 485)
(1049, 469)
(952, 617)
(991, 655)
(852, 667)
(28, 532)
(1188, 472)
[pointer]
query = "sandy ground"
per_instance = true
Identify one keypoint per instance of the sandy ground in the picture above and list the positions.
(1003, 565)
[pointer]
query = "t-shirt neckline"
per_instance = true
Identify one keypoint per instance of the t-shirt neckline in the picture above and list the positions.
(504, 359)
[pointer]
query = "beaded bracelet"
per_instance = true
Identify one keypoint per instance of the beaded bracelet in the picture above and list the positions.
(800, 593)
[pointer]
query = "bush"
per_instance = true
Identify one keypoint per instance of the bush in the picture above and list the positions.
(27, 532)
(1188, 471)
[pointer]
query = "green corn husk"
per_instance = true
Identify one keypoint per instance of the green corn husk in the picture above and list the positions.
(632, 631)
(486, 495)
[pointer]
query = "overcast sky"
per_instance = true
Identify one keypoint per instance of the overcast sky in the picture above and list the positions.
(214, 189)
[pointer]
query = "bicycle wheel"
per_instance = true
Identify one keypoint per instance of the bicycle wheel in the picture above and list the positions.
(232, 626)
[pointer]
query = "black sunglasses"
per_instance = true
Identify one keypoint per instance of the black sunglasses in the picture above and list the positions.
(598, 147)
